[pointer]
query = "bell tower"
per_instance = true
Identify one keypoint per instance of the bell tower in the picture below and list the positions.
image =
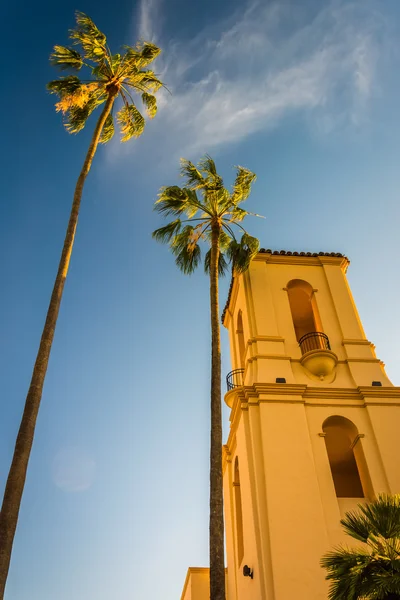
(314, 423)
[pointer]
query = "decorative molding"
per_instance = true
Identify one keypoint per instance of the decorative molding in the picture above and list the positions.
(260, 393)
(268, 356)
(355, 342)
(380, 392)
(265, 338)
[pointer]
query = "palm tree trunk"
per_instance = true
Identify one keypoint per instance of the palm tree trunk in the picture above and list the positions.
(217, 563)
(17, 474)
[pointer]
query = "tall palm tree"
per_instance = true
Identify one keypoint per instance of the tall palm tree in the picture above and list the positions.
(211, 213)
(371, 572)
(109, 76)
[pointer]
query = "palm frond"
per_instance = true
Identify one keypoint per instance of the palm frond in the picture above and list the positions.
(222, 263)
(194, 179)
(166, 233)
(237, 214)
(346, 570)
(146, 80)
(141, 55)
(92, 40)
(150, 103)
(131, 122)
(64, 85)
(242, 186)
(66, 58)
(188, 259)
(108, 130)
(372, 572)
(356, 525)
(148, 53)
(383, 515)
(77, 116)
(209, 170)
(86, 92)
(101, 72)
(115, 60)
(174, 200)
(242, 253)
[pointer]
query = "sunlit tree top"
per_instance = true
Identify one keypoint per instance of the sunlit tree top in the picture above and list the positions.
(107, 75)
(205, 201)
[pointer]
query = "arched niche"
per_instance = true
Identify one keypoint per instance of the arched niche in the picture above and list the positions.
(240, 338)
(346, 458)
(303, 307)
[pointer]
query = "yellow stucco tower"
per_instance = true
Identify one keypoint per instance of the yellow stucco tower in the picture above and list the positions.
(314, 426)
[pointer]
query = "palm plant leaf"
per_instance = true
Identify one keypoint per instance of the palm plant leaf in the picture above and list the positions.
(150, 103)
(188, 259)
(174, 200)
(242, 186)
(222, 263)
(108, 130)
(383, 515)
(66, 58)
(209, 171)
(92, 40)
(356, 525)
(131, 122)
(194, 179)
(166, 233)
(242, 253)
(145, 80)
(148, 52)
(371, 572)
(64, 86)
(77, 116)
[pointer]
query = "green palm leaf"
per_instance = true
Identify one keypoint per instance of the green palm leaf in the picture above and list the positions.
(188, 259)
(131, 122)
(222, 263)
(108, 130)
(174, 200)
(66, 58)
(373, 571)
(64, 86)
(92, 40)
(194, 179)
(166, 233)
(150, 103)
(242, 186)
(77, 116)
(148, 53)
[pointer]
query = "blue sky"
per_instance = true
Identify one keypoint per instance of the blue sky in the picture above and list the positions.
(304, 94)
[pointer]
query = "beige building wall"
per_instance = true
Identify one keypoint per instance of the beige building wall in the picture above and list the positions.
(309, 422)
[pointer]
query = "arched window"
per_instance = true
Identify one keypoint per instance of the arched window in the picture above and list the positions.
(238, 512)
(303, 307)
(240, 334)
(346, 458)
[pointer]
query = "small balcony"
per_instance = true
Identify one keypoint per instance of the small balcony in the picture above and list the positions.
(316, 340)
(234, 379)
(318, 357)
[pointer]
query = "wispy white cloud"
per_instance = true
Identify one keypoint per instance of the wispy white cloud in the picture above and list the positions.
(243, 75)
(148, 19)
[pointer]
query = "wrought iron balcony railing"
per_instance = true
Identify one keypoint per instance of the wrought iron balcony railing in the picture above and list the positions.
(234, 379)
(316, 340)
